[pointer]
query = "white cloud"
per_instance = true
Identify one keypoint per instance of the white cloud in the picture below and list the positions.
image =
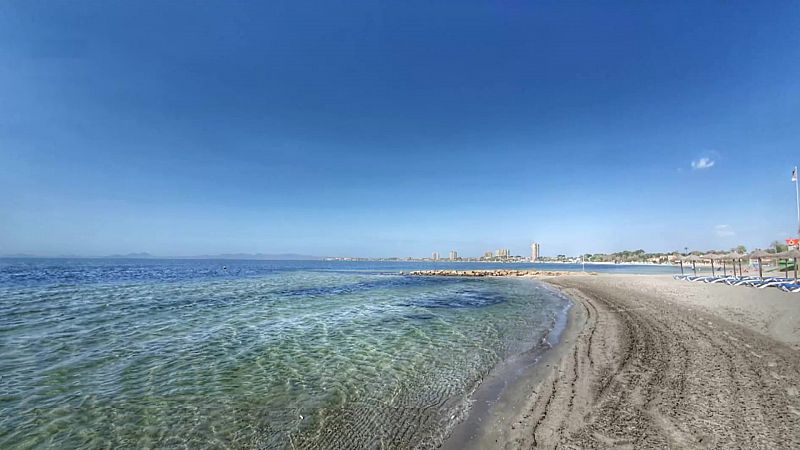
(724, 231)
(703, 163)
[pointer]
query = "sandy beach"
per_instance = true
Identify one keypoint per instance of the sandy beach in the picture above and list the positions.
(651, 362)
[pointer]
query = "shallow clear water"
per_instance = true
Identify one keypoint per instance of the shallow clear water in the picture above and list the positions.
(255, 353)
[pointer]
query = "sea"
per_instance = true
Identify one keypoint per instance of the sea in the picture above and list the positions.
(151, 353)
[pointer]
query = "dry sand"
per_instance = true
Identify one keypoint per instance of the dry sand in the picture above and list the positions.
(651, 362)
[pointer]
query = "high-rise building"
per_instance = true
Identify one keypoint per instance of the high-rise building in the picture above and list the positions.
(435, 256)
(503, 253)
(453, 255)
(487, 255)
(534, 251)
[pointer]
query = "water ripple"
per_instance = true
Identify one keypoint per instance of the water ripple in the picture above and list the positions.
(316, 359)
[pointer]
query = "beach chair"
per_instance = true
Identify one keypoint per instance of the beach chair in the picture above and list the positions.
(790, 287)
(694, 278)
(705, 279)
(691, 277)
(723, 280)
(748, 281)
(772, 282)
(719, 280)
(731, 281)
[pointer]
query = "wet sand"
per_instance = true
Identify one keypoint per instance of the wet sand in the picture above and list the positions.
(505, 392)
(651, 362)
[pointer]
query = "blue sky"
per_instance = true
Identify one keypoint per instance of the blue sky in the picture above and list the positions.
(396, 128)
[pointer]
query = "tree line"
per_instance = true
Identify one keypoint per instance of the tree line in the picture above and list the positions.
(643, 256)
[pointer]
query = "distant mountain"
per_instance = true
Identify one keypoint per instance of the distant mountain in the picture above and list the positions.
(145, 255)
(140, 255)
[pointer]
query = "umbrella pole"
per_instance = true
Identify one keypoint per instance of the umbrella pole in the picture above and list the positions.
(741, 273)
(795, 270)
(760, 273)
(724, 269)
(733, 263)
(694, 268)
(713, 274)
(681, 267)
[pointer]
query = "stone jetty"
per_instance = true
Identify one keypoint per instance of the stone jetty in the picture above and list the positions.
(487, 273)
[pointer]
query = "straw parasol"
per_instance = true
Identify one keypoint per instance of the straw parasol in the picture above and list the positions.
(757, 255)
(693, 259)
(723, 258)
(787, 255)
(711, 257)
(733, 256)
(679, 258)
(738, 257)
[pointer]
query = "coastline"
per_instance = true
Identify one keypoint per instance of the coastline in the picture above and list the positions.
(503, 393)
(651, 362)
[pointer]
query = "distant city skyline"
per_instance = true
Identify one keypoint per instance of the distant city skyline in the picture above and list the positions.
(377, 129)
(535, 251)
(435, 256)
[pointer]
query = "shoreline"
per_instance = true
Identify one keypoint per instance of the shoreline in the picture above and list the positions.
(650, 362)
(500, 394)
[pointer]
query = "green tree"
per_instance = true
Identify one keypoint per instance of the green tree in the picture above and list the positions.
(779, 247)
(740, 249)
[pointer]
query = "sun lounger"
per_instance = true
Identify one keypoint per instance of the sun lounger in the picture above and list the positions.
(772, 283)
(698, 278)
(748, 281)
(724, 280)
(786, 284)
(790, 287)
(701, 278)
(731, 281)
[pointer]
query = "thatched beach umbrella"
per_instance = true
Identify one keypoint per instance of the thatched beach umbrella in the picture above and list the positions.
(757, 255)
(787, 255)
(733, 256)
(778, 257)
(725, 258)
(679, 258)
(794, 254)
(739, 258)
(693, 259)
(711, 257)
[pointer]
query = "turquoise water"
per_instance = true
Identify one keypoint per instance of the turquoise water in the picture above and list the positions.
(198, 354)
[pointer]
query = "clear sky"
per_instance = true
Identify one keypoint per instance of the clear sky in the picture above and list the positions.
(396, 128)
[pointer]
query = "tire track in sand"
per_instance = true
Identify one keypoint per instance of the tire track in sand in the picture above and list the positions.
(648, 373)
